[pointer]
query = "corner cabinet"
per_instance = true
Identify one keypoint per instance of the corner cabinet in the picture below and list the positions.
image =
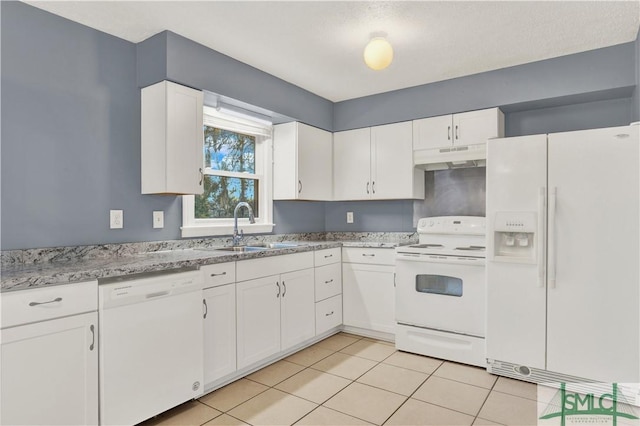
(172, 139)
(368, 288)
(302, 163)
(376, 163)
(468, 128)
(49, 356)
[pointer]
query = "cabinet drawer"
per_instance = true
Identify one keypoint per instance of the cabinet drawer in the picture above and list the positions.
(327, 256)
(27, 306)
(275, 265)
(372, 256)
(328, 314)
(328, 281)
(219, 274)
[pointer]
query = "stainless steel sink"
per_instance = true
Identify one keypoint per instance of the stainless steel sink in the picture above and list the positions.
(253, 247)
(281, 245)
(241, 249)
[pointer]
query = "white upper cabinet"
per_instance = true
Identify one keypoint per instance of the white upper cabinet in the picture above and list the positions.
(302, 162)
(468, 128)
(376, 163)
(172, 139)
(352, 164)
(392, 171)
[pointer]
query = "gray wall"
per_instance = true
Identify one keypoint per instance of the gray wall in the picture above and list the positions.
(636, 93)
(298, 216)
(588, 115)
(379, 216)
(599, 71)
(195, 65)
(71, 136)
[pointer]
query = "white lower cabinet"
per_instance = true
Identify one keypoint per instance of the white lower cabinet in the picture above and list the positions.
(297, 319)
(328, 289)
(368, 289)
(276, 312)
(219, 316)
(219, 332)
(328, 314)
(258, 313)
(49, 368)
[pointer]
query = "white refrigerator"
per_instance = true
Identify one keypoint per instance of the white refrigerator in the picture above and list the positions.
(563, 256)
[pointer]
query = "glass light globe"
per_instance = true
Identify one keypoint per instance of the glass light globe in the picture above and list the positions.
(378, 54)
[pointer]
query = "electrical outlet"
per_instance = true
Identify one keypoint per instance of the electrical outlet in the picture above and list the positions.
(349, 217)
(158, 219)
(115, 219)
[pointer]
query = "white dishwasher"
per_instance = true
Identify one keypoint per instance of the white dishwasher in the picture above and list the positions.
(150, 344)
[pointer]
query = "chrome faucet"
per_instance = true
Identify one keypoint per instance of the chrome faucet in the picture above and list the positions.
(238, 236)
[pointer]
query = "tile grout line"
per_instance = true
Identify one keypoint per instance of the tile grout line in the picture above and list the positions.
(485, 400)
(412, 393)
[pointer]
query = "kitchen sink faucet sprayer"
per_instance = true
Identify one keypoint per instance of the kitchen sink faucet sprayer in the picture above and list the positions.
(238, 236)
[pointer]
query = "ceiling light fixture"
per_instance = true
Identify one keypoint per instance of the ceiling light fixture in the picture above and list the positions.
(378, 53)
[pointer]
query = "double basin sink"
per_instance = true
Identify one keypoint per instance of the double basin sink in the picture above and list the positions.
(257, 247)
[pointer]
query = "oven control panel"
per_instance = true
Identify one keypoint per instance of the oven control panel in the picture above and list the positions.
(467, 225)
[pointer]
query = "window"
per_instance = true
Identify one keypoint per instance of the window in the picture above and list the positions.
(237, 167)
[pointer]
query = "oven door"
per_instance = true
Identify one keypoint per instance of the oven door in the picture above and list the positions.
(441, 292)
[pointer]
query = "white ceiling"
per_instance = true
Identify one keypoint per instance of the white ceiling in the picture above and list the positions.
(318, 45)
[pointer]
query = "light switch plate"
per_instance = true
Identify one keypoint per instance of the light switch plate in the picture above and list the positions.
(158, 219)
(116, 219)
(349, 217)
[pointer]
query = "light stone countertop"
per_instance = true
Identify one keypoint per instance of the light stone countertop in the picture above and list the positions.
(22, 276)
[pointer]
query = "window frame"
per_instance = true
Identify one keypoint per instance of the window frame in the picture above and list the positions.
(193, 227)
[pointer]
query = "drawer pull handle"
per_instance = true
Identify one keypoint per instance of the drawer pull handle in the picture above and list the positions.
(329, 282)
(368, 255)
(329, 314)
(327, 256)
(93, 337)
(217, 275)
(206, 308)
(285, 289)
(57, 299)
(278, 284)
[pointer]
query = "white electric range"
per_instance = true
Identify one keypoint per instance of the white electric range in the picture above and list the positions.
(440, 290)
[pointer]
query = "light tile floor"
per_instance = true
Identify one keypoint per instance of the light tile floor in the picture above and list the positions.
(351, 380)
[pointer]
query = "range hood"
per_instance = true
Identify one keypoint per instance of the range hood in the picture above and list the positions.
(453, 157)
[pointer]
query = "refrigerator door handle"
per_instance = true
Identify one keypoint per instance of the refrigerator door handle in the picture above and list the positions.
(552, 237)
(541, 243)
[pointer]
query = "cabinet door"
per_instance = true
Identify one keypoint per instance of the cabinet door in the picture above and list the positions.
(315, 169)
(433, 132)
(172, 139)
(392, 172)
(219, 332)
(297, 307)
(352, 164)
(258, 314)
(368, 297)
(476, 127)
(50, 372)
(185, 139)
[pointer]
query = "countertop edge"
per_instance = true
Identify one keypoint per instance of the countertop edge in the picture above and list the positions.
(51, 274)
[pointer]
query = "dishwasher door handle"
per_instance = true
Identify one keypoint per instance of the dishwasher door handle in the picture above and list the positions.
(158, 294)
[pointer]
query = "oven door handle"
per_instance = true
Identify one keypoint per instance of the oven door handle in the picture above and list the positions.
(452, 260)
